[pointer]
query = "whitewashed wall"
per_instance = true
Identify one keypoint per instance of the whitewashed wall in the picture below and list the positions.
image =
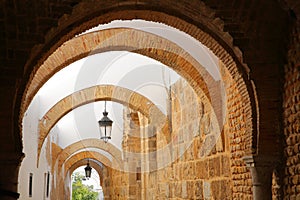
(29, 163)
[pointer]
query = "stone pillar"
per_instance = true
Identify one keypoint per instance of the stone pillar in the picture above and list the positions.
(261, 169)
(9, 171)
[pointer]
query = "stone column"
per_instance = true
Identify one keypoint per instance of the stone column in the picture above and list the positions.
(261, 168)
(9, 171)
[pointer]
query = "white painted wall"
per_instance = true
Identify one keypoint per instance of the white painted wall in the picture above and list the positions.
(29, 163)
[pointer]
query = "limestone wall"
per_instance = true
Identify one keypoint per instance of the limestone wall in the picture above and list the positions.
(119, 185)
(192, 156)
(201, 160)
(106, 182)
(124, 183)
(291, 117)
(238, 142)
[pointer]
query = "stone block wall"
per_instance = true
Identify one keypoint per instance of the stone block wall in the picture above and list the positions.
(291, 120)
(194, 159)
(200, 167)
(276, 186)
(119, 185)
(106, 182)
(125, 184)
(236, 128)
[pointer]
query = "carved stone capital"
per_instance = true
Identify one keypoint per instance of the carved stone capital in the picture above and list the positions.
(261, 160)
(261, 168)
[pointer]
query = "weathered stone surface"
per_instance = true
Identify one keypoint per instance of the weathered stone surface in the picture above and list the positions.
(199, 192)
(31, 31)
(201, 169)
(191, 175)
(206, 190)
(291, 115)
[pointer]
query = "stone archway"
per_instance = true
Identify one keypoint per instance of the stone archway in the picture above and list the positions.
(88, 143)
(163, 50)
(102, 170)
(240, 85)
(99, 93)
(70, 161)
(239, 72)
(222, 19)
(94, 164)
(75, 161)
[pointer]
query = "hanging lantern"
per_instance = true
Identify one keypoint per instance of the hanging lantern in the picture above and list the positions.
(105, 125)
(88, 171)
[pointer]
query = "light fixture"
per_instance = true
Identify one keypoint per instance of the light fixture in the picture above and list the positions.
(88, 170)
(105, 125)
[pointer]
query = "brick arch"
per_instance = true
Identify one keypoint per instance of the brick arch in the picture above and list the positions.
(104, 173)
(83, 156)
(88, 143)
(93, 164)
(78, 160)
(239, 73)
(98, 93)
(148, 14)
(141, 42)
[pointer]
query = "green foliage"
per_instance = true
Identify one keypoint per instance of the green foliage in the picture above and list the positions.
(81, 191)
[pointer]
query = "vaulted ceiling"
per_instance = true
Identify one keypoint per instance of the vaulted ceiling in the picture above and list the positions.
(255, 32)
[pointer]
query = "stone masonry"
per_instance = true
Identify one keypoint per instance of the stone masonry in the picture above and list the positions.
(291, 116)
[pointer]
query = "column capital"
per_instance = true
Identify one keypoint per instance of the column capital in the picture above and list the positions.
(261, 168)
(260, 160)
